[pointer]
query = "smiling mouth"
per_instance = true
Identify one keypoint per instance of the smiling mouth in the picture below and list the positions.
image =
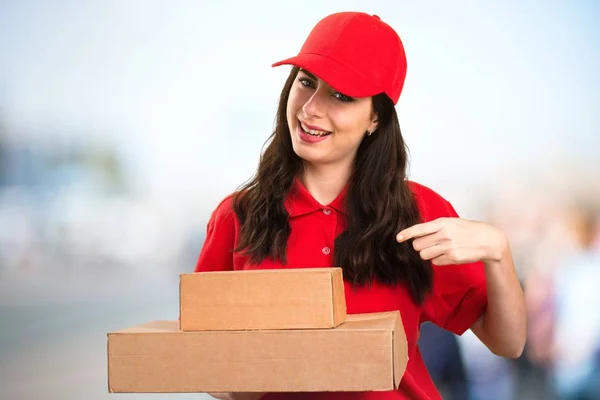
(313, 132)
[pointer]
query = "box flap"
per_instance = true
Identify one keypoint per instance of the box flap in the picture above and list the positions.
(157, 326)
(339, 297)
(400, 351)
(381, 321)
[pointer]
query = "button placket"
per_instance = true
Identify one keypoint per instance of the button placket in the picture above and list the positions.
(328, 222)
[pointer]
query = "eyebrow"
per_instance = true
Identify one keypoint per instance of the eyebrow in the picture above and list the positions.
(309, 74)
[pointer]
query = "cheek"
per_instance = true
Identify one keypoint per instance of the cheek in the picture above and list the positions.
(350, 127)
(292, 107)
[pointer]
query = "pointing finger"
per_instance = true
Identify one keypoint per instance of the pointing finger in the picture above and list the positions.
(419, 230)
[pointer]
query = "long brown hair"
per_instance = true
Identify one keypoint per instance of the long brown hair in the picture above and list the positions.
(379, 204)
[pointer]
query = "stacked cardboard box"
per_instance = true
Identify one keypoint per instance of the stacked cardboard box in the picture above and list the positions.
(260, 331)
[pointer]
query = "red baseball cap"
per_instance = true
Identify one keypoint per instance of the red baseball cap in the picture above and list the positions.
(355, 53)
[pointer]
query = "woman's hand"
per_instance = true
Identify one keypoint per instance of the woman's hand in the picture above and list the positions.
(447, 241)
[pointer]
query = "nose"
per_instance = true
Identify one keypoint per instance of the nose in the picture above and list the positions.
(315, 105)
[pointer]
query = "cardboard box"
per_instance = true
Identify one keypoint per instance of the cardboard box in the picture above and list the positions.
(262, 299)
(368, 352)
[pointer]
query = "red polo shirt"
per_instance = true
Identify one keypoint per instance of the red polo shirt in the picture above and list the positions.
(459, 295)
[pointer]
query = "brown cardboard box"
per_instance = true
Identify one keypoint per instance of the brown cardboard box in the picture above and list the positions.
(262, 299)
(368, 352)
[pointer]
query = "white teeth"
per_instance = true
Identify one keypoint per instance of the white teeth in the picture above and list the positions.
(313, 132)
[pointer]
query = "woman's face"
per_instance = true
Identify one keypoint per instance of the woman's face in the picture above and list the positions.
(326, 126)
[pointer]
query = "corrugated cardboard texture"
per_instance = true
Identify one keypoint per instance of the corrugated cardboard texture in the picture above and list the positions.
(367, 352)
(306, 298)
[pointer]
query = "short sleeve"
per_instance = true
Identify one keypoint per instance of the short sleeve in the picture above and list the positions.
(459, 295)
(217, 251)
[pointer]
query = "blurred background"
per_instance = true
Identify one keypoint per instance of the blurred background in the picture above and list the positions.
(124, 123)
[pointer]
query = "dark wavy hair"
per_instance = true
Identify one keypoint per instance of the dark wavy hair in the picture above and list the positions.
(379, 204)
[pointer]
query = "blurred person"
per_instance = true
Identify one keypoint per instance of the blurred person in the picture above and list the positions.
(574, 302)
(540, 326)
(442, 357)
(533, 243)
(551, 241)
(331, 189)
(489, 377)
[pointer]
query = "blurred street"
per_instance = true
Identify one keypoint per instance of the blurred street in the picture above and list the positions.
(53, 337)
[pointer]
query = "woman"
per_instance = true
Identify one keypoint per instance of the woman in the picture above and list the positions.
(331, 190)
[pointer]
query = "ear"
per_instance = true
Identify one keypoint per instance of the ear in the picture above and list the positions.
(374, 123)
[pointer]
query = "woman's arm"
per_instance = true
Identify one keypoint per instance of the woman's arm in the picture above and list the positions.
(448, 241)
(502, 328)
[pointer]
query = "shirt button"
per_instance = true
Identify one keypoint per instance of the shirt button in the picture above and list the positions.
(327, 211)
(326, 250)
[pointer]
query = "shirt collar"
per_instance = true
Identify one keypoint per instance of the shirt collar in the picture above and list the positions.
(299, 201)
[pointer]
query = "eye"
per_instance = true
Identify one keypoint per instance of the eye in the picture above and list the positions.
(343, 97)
(306, 82)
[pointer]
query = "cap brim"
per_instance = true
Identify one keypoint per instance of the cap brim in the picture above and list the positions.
(335, 74)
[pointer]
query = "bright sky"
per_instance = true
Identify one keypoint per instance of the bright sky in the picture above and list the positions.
(186, 90)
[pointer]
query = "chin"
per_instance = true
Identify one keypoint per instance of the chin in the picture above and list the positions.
(307, 155)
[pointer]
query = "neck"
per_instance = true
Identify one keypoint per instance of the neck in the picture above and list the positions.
(324, 183)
